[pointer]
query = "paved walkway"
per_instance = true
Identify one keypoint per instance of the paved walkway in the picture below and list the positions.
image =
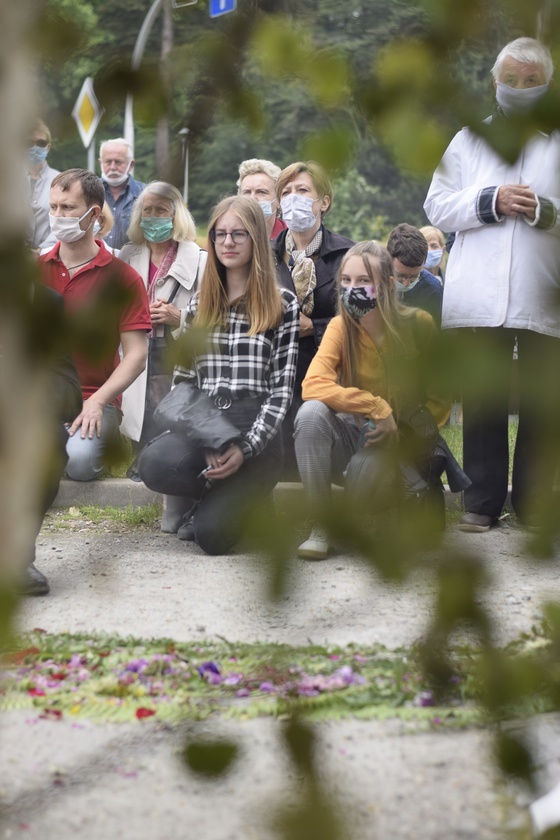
(62, 780)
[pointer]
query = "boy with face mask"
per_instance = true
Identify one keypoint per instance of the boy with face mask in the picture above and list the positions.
(415, 285)
(40, 176)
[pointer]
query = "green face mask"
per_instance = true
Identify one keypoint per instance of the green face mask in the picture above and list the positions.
(156, 229)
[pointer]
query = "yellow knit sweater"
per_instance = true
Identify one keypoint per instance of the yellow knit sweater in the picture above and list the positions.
(384, 384)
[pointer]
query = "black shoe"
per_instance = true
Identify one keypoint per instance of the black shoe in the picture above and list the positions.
(132, 472)
(186, 531)
(34, 582)
(476, 523)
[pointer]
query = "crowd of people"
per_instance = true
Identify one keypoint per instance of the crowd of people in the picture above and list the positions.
(299, 354)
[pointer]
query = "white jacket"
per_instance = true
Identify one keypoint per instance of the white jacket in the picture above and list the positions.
(502, 271)
(187, 270)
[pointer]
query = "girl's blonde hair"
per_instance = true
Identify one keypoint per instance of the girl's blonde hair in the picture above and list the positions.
(261, 299)
(428, 230)
(184, 228)
(379, 268)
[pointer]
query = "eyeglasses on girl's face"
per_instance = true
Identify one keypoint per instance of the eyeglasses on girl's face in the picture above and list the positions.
(37, 142)
(239, 237)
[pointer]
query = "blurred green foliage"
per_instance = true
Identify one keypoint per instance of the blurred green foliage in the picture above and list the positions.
(374, 88)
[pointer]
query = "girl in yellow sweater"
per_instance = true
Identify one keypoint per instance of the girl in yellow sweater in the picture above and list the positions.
(372, 364)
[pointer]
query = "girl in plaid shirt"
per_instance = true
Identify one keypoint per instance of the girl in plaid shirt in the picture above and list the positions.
(247, 364)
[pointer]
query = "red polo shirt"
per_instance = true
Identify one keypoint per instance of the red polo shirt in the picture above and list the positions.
(105, 298)
(279, 226)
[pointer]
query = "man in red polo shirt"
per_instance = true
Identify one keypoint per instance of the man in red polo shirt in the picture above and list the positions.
(109, 308)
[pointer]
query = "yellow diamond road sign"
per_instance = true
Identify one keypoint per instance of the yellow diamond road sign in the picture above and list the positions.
(87, 112)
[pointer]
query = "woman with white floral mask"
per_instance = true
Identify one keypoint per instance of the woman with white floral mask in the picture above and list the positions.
(163, 250)
(308, 256)
(370, 366)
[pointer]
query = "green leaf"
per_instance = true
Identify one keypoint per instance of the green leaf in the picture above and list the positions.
(210, 759)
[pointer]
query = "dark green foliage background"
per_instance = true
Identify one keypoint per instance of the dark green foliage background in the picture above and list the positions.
(307, 86)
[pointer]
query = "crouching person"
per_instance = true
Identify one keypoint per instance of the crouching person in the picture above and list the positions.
(371, 369)
(246, 368)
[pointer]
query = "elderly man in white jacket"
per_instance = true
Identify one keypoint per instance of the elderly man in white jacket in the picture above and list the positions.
(502, 284)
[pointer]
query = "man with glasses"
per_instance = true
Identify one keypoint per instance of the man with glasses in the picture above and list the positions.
(415, 285)
(121, 189)
(40, 176)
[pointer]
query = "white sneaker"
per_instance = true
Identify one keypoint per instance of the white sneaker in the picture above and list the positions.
(316, 547)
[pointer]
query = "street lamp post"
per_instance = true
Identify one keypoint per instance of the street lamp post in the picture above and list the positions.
(184, 135)
(139, 48)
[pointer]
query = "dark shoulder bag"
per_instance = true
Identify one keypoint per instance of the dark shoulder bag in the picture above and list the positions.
(188, 410)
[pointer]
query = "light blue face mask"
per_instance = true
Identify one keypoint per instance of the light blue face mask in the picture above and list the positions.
(37, 154)
(514, 101)
(157, 229)
(401, 288)
(266, 207)
(433, 258)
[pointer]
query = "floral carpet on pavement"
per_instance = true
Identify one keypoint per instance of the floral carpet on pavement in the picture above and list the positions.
(115, 679)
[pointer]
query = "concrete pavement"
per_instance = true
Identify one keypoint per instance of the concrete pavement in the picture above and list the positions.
(60, 779)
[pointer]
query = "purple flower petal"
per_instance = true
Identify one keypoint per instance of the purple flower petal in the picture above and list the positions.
(242, 692)
(425, 698)
(208, 667)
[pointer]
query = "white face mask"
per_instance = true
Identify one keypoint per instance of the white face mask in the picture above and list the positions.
(297, 212)
(402, 289)
(115, 179)
(67, 228)
(514, 101)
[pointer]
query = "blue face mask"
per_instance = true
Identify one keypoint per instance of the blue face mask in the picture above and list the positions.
(433, 258)
(37, 154)
(157, 229)
(266, 207)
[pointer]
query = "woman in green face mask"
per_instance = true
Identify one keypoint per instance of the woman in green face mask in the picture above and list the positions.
(162, 248)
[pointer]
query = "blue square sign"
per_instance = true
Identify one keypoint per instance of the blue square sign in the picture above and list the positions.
(221, 7)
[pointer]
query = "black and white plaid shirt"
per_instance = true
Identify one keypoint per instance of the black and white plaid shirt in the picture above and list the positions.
(240, 366)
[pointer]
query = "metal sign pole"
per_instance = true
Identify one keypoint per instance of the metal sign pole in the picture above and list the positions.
(139, 48)
(91, 155)
(184, 135)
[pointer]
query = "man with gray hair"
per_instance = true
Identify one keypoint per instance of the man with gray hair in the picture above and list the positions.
(502, 285)
(257, 179)
(121, 189)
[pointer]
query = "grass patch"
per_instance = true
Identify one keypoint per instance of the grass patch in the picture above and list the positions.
(110, 678)
(115, 679)
(109, 518)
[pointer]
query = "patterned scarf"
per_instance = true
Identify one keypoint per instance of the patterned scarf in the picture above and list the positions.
(303, 270)
(168, 259)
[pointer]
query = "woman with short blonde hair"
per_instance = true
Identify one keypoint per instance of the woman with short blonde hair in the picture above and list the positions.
(307, 257)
